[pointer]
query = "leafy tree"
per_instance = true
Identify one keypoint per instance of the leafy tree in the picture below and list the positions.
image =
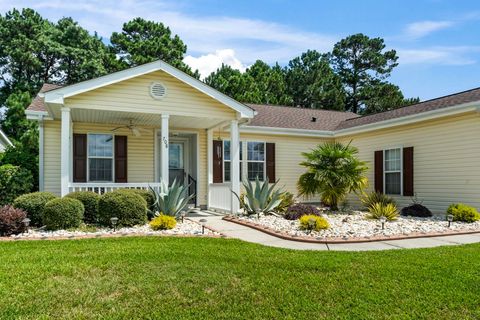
(361, 62)
(333, 171)
(233, 83)
(16, 123)
(384, 96)
(142, 41)
(313, 84)
(270, 82)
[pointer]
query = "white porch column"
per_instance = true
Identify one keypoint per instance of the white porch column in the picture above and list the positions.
(235, 164)
(209, 164)
(65, 154)
(164, 149)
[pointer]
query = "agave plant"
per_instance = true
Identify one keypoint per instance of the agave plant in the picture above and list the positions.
(171, 200)
(260, 197)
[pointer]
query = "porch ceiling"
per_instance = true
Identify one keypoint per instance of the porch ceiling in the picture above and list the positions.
(141, 119)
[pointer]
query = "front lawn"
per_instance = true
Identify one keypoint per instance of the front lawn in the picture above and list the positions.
(172, 278)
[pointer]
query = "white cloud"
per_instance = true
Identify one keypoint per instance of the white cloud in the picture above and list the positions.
(209, 63)
(421, 29)
(438, 55)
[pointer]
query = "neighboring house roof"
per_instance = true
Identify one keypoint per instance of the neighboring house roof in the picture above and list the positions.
(37, 103)
(4, 141)
(297, 118)
(59, 94)
(464, 97)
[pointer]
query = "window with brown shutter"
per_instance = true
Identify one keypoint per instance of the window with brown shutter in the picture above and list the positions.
(217, 161)
(271, 162)
(121, 166)
(378, 176)
(79, 157)
(408, 172)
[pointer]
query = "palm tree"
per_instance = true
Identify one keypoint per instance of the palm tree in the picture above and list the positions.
(333, 171)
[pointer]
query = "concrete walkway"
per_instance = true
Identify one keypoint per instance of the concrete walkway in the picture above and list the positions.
(233, 230)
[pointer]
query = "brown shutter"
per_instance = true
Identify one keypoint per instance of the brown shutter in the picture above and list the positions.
(79, 157)
(217, 161)
(121, 167)
(408, 171)
(271, 162)
(379, 171)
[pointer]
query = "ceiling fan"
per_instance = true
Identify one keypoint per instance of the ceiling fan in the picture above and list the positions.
(136, 131)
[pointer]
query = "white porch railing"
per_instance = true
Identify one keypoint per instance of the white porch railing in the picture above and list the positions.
(220, 197)
(102, 188)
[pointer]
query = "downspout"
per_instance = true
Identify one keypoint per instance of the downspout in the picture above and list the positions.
(41, 180)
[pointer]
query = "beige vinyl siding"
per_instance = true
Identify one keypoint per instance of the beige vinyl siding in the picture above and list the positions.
(446, 154)
(288, 155)
(141, 150)
(52, 147)
(133, 95)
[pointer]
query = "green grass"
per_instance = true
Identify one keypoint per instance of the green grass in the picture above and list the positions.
(175, 278)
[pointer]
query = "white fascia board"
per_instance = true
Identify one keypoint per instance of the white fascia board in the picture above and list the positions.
(38, 115)
(287, 131)
(5, 139)
(245, 111)
(414, 118)
(57, 96)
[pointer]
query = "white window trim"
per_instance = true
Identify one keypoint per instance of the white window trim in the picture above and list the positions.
(97, 157)
(400, 171)
(257, 161)
(241, 161)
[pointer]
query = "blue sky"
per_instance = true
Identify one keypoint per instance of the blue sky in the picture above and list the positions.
(438, 41)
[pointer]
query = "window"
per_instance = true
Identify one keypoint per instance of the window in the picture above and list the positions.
(256, 160)
(393, 171)
(227, 160)
(100, 157)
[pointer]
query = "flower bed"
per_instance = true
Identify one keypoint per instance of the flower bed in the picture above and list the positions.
(186, 228)
(356, 226)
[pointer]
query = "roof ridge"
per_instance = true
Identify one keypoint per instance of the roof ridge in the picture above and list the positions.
(293, 107)
(416, 104)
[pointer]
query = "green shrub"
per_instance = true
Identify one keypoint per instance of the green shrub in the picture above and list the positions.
(89, 200)
(311, 222)
(149, 198)
(128, 207)
(34, 204)
(14, 181)
(63, 213)
(369, 199)
(11, 221)
(163, 222)
(463, 212)
(377, 210)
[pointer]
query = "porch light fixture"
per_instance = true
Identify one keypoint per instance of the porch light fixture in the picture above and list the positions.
(26, 223)
(114, 221)
(202, 222)
(450, 219)
(383, 219)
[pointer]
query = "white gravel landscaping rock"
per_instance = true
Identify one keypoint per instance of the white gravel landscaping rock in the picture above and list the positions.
(356, 225)
(187, 227)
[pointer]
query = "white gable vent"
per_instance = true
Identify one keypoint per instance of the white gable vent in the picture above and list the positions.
(158, 90)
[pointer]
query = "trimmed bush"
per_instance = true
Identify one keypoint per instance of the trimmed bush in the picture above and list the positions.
(416, 210)
(369, 199)
(14, 181)
(147, 195)
(34, 204)
(463, 212)
(128, 207)
(163, 222)
(377, 210)
(313, 223)
(63, 213)
(295, 211)
(11, 221)
(89, 200)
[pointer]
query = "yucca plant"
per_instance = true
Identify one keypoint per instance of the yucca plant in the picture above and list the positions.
(333, 171)
(259, 197)
(171, 200)
(369, 199)
(377, 210)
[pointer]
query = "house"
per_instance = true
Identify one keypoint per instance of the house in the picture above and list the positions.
(4, 141)
(151, 122)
